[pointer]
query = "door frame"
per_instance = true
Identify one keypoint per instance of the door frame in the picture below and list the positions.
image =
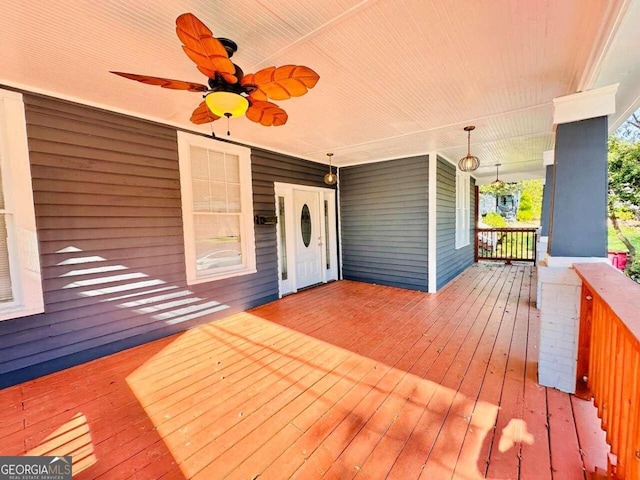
(286, 190)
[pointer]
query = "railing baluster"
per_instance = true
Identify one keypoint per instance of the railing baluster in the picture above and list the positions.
(508, 244)
(625, 398)
(617, 379)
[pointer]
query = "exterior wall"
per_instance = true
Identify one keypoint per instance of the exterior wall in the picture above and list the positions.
(108, 213)
(451, 261)
(384, 216)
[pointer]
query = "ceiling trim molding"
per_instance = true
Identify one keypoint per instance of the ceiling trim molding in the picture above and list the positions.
(580, 106)
(609, 27)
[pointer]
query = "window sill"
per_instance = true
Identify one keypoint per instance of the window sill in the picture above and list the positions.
(18, 311)
(458, 247)
(236, 273)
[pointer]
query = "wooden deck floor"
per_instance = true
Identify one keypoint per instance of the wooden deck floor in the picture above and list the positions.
(347, 380)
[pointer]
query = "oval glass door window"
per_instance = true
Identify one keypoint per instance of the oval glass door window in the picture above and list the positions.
(305, 225)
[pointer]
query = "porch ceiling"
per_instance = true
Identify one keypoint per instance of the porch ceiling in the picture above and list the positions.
(398, 77)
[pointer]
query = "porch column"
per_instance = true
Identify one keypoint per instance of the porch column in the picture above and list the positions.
(547, 192)
(577, 227)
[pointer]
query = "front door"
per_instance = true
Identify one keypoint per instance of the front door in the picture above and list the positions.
(309, 238)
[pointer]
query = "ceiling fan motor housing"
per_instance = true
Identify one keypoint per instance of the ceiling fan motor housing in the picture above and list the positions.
(229, 45)
(219, 84)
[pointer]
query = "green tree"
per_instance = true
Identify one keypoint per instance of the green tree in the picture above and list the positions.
(500, 189)
(525, 208)
(533, 188)
(624, 184)
(494, 220)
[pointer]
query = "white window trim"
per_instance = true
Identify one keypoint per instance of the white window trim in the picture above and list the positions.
(185, 141)
(22, 241)
(463, 206)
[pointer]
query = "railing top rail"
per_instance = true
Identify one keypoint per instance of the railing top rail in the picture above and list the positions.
(620, 293)
(527, 230)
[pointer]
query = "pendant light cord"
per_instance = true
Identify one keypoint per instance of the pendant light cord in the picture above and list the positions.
(228, 115)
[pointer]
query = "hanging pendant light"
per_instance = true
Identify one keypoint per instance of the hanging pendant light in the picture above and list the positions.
(469, 163)
(498, 183)
(330, 178)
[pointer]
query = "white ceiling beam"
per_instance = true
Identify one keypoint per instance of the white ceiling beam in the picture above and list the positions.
(583, 105)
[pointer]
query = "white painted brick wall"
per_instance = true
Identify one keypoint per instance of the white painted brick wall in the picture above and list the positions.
(559, 303)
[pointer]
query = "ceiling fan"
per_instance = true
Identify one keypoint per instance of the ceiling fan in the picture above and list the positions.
(231, 93)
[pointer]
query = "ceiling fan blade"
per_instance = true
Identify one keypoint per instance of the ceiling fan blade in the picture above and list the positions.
(203, 48)
(266, 113)
(202, 114)
(165, 82)
(282, 82)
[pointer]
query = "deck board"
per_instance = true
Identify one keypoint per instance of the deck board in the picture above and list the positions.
(344, 381)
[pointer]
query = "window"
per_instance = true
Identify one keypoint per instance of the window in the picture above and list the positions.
(20, 280)
(463, 200)
(217, 208)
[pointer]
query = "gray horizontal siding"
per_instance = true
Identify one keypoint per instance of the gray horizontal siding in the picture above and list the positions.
(384, 217)
(450, 261)
(269, 167)
(108, 212)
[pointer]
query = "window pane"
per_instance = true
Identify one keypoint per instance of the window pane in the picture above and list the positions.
(283, 239)
(1, 193)
(326, 234)
(305, 225)
(232, 167)
(217, 239)
(216, 166)
(199, 164)
(6, 294)
(218, 197)
(201, 197)
(233, 198)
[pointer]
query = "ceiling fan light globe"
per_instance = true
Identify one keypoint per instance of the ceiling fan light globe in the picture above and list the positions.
(331, 179)
(468, 163)
(226, 104)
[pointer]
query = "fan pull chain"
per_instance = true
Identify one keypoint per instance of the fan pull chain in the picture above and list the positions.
(228, 115)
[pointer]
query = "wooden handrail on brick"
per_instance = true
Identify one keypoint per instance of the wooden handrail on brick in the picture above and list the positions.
(609, 360)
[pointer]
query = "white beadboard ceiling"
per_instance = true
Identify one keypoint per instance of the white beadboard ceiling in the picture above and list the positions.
(397, 77)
